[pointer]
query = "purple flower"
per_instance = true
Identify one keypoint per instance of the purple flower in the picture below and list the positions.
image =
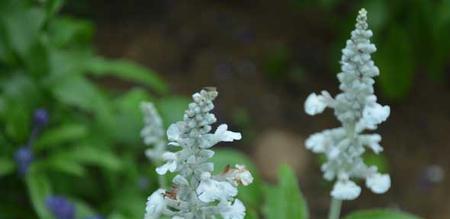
(60, 207)
(24, 157)
(41, 117)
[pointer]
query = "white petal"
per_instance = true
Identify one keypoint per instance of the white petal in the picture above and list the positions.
(345, 190)
(155, 205)
(170, 165)
(222, 134)
(210, 190)
(315, 104)
(241, 175)
(174, 132)
(374, 115)
(235, 211)
(378, 183)
(316, 142)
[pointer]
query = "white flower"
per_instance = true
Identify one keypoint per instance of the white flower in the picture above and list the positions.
(195, 192)
(374, 115)
(345, 190)
(243, 176)
(170, 165)
(174, 132)
(316, 142)
(315, 104)
(378, 183)
(210, 190)
(357, 110)
(222, 134)
(235, 211)
(155, 205)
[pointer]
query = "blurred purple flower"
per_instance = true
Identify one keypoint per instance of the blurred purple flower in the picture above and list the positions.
(60, 207)
(41, 117)
(24, 157)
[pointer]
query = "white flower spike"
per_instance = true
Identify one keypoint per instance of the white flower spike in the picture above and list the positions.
(196, 192)
(357, 110)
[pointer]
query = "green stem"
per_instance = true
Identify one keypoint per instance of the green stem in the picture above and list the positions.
(335, 209)
(162, 181)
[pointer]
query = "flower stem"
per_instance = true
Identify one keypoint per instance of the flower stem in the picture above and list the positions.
(335, 209)
(162, 181)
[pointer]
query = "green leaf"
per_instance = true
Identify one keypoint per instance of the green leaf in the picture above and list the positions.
(60, 135)
(6, 166)
(61, 162)
(22, 27)
(83, 210)
(395, 60)
(96, 156)
(38, 189)
(285, 201)
(77, 91)
(380, 214)
(69, 32)
(129, 116)
(126, 70)
(172, 108)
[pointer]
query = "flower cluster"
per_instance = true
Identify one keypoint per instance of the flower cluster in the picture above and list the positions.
(357, 110)
(196, 192)
(153, 132)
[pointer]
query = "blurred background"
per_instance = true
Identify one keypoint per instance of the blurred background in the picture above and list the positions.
(86, 65)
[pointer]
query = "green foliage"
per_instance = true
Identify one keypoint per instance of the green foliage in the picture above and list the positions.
(47, 61)
(285, 200)
(380, 214)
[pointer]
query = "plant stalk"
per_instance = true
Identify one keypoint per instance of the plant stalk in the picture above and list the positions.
(335, 209)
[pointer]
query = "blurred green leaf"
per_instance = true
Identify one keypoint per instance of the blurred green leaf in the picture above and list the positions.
(22, 28)
(123, 69)
(285, 201)
(129, 116)
(380, 214)
(77, 91)
(172, 108)
(38, 189)
(378, 160)
(83, 210)
(378, 13)
(63, 163)
(396, 62)
(52, 6)
(86, 154)
(6, 166)
(60, 135)
(70, 32)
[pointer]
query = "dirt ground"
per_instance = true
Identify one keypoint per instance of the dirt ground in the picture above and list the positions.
(231, 45)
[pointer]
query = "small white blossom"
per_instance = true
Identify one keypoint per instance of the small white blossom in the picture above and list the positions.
(196, 192)
(378, 183)
(222, 134)
(315, 104)
(357, 109)
(170, 165)
(155, 205)
(211, 190)
(374, 115)
(234, 211)
(345, 190)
